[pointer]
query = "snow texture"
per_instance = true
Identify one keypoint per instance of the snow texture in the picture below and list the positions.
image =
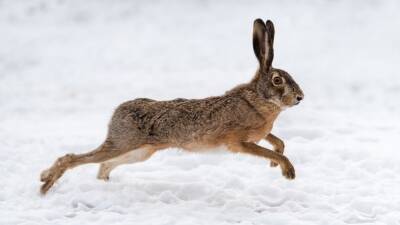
(65, 65)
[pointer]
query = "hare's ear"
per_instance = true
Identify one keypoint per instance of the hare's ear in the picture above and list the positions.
(263, 38)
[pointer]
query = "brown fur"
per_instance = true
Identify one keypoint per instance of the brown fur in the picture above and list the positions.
(238, 120)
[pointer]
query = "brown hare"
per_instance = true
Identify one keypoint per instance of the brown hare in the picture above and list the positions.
(238, 120)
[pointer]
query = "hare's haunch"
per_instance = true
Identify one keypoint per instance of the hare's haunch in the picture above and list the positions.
(238, 120)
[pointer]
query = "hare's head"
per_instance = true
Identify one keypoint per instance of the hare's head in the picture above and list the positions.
(276, 85)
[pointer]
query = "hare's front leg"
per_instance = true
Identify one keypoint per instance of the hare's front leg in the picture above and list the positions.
(278, 145)
(254, 149)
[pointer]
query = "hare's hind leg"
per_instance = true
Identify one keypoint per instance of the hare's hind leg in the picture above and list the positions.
(137, 155)
(278, 145)
(103, 153)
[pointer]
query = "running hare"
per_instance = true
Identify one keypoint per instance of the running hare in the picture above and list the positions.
(238, 120)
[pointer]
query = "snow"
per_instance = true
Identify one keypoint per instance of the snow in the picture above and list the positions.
(65, 65)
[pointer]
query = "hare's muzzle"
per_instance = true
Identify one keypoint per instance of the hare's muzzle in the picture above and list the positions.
(299, 98)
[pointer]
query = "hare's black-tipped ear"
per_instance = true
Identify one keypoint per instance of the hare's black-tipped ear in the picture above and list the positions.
(270, 30)
(259, 34)
(263, 38)
(270, 42)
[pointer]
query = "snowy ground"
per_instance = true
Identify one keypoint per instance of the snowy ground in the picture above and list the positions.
(65, 65)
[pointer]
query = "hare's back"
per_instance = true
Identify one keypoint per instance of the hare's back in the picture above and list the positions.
(146, 118)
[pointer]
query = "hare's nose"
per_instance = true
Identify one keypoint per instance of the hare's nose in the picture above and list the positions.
(299, 98)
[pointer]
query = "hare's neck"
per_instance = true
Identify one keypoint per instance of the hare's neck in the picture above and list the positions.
(277, 104)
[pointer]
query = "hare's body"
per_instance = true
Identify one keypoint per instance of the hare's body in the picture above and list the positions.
(238, 120)
(193, 124)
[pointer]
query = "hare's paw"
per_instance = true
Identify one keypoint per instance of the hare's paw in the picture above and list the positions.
(288, 171)
(104, 171)
(103, 177)
(49, 177)
(45, 175)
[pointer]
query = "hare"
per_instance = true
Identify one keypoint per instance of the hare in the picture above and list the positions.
(238, 120)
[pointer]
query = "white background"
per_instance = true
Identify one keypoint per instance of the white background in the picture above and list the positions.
(65, 65)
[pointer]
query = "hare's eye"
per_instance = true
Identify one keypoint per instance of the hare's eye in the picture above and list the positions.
(277, 81)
